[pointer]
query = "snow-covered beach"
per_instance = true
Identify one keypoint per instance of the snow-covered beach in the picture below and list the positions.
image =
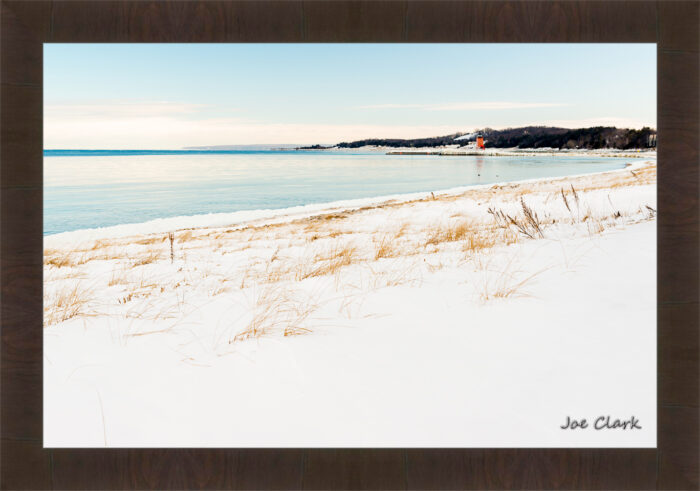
(480, 316)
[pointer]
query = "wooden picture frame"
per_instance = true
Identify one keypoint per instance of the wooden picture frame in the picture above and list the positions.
(26, 25)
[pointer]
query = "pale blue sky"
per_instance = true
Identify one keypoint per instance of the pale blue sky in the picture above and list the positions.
(177, 95)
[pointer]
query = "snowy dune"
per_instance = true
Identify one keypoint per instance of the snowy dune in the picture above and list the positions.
(478, 317)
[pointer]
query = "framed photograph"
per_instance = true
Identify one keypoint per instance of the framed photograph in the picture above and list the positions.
(350, 245)
(467, 261)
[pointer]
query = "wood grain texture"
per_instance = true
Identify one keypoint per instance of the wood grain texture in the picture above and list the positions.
(21, 313)
(354, 469)
(678, 25)
(678, 448)
(348, 21)
(528, 21)
(24, 465)
(21, 133)
(178, 469)
(532, 469)
(181, 21)
(678, 245)
(26, 25)
(678, 176)
(679, 338)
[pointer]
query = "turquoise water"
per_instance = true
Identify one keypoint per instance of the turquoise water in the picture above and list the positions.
(90, 189)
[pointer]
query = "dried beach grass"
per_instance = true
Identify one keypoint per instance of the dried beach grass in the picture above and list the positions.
(275, 311)
(65, 303)
(447, 233)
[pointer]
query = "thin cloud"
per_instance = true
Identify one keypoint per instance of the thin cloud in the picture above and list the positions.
(123, 109)
(601, 121)
(466, 106)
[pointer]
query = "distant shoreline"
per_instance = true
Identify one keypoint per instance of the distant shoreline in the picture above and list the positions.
(379, 150)
(456, 151)
(524, 153)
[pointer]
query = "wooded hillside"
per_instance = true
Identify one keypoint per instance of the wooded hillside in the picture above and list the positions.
(532, 137)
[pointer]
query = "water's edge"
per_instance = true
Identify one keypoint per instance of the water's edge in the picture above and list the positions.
(240, 219)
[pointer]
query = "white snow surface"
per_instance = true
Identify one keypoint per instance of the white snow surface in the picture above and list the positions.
(411, 350)
(466, 137)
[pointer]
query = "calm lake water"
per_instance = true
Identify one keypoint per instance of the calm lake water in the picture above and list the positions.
(90, 189)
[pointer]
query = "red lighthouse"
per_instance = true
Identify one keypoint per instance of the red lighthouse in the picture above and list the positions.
(480, 141)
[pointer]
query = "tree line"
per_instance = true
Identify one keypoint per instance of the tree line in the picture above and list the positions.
(588, 138)
(529, 137)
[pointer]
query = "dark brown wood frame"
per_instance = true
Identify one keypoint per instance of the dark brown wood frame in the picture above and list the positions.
(28, 24)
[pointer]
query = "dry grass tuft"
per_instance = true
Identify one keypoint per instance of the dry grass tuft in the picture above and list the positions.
(59, 261)
(385, 248)
(326, 264)
(449, 233)
(277, 272)
(330, 216)
(119, 277)
(401, 231)
(401, 272)
(316, 235)
(595, 226)
(99, 244)
(505, 283)
(151, 240)
(528, 224)
(478, 241)
(218, 289)
(59, 258)
(508, 286)
(65, 303)
(185, 236)
(275, 311)
(573, 202)
(150, 256)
